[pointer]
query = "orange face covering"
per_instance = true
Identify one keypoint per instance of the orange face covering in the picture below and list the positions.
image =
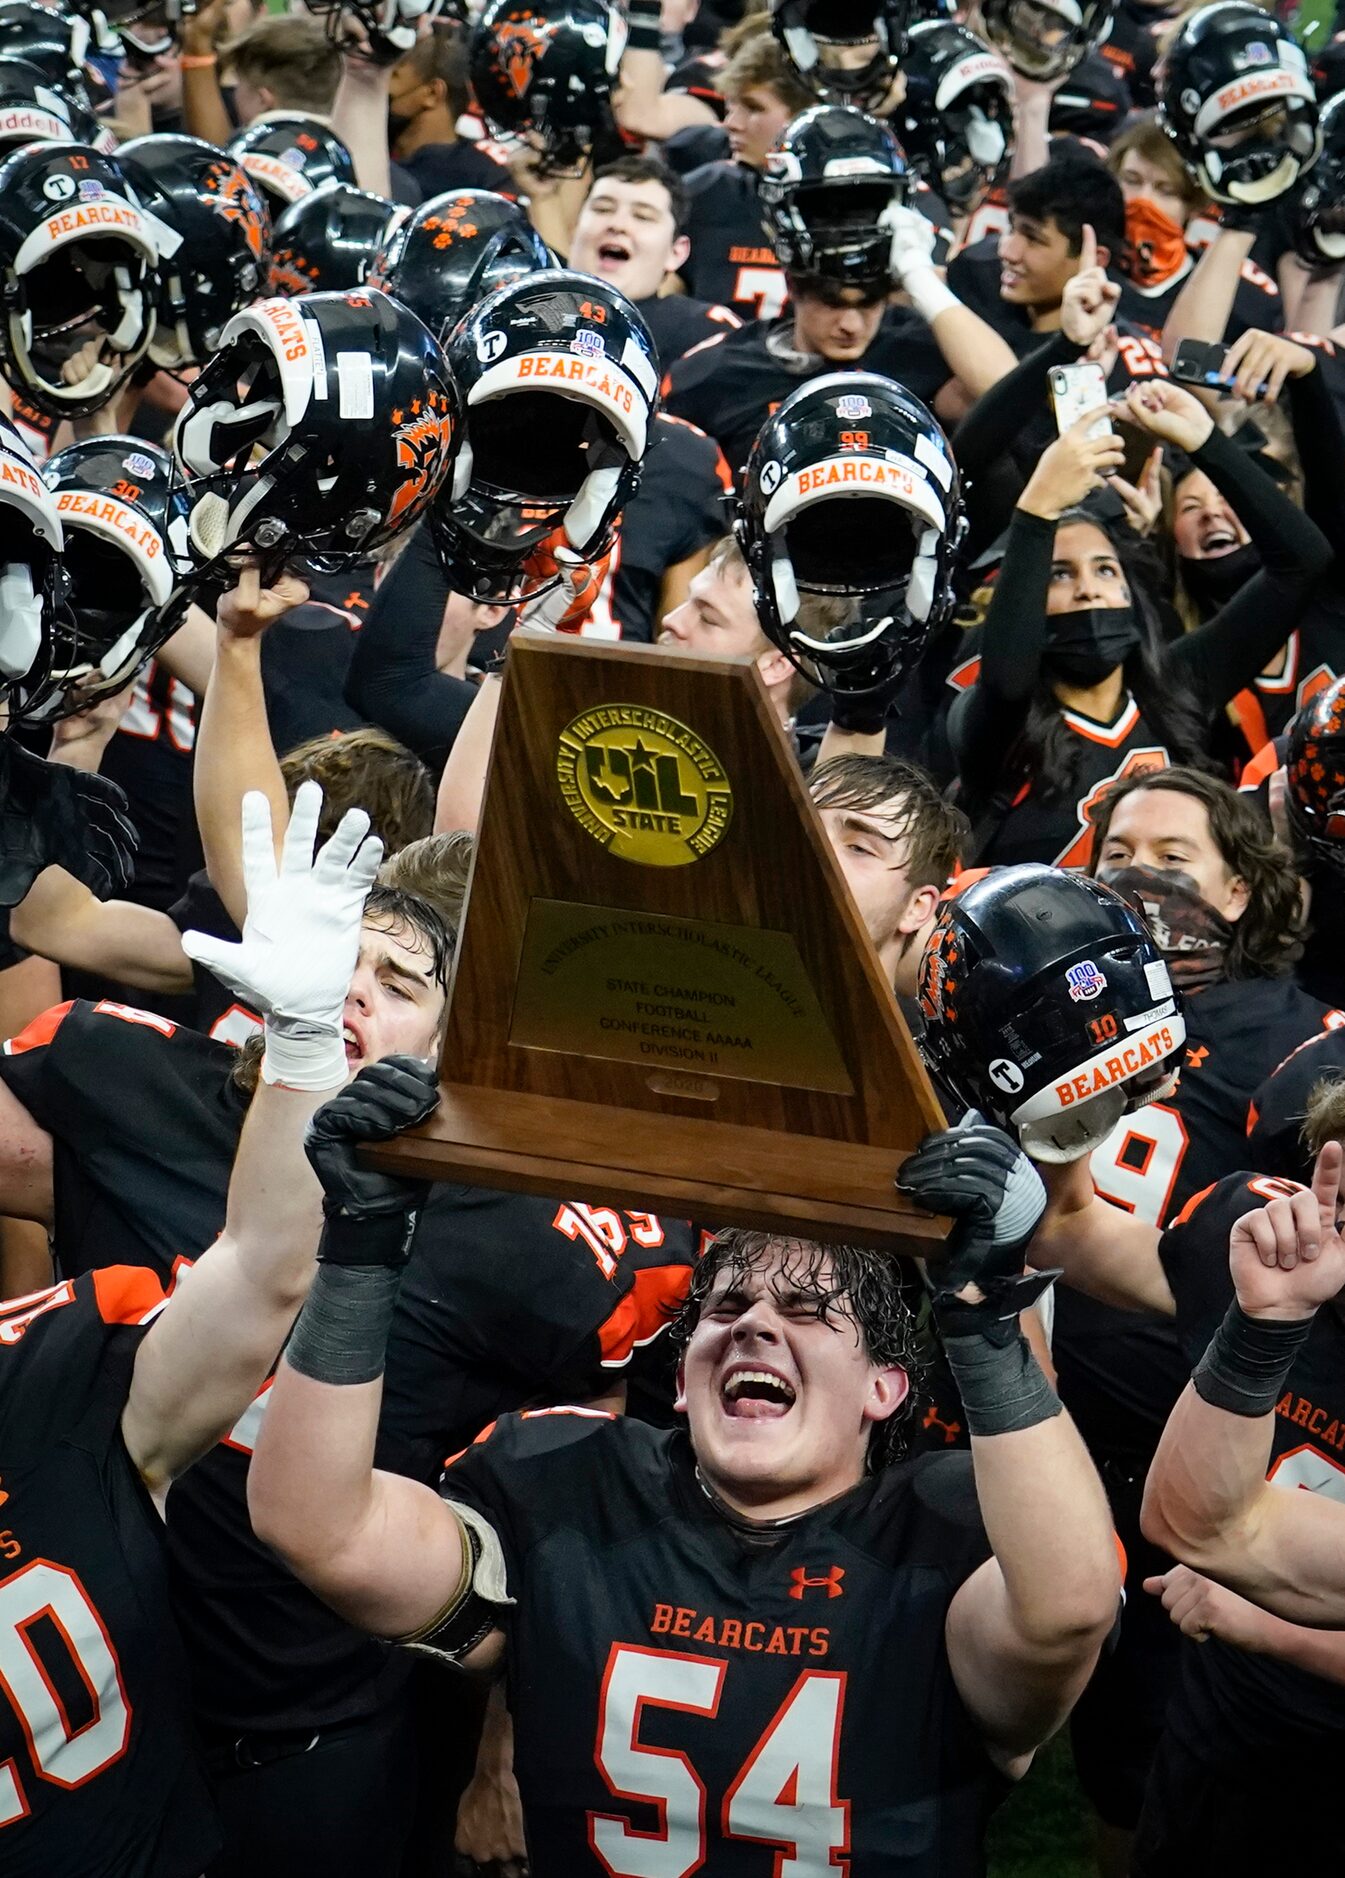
(1156, 242)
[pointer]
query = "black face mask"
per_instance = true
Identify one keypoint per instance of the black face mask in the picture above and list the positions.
(1194, 939)
(1212, 583)
(1083, 647)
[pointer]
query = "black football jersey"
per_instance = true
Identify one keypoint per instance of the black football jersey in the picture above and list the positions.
(677, 322)
(97, 1773)
(686, 1699)
(732, 262)
(974, 275)
(1278, 1108)
(1313, 657)
(1230, 1705)
(150, 756)
(730, 385)
(1131, 46)
(1121, 1371)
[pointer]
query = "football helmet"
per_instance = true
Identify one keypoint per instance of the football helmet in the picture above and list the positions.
(327, 242)
(851, 495)
(123, 512)
(1328, 69)
(1046, 38)
(560, 379)
(827, 193)
(77, 260)
(32, 577)
(212, 236)
(52, 40)
(1314, 763)
(1048, 1006)
(825, 40)
(31, 110)
(543, 70)
(1236, 99)
(322, 429)
(289, 154)
(1317, 207)
(956, 120)
(390, 26)
(453, 251)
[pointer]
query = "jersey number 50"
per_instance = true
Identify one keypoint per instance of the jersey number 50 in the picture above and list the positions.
(784, 1794)
(65, 1755)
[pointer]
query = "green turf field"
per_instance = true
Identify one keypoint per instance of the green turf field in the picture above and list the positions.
(1043, 1829)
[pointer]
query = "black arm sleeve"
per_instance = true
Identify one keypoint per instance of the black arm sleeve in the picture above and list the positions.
(985, 720)
(1321, 450)
(392, 679)
(1224, 655)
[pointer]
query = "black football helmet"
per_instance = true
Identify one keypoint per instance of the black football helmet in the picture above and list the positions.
(544, 70)
(820, 37)
(322, 429)
(390, 26)
(956, 120)
(32, 111)
(1236, 99)
(560, 379)
(124, 514)
(32, 576)
(1314, 763)
(1317, 207)
(851, 495)
(53, 40)
(453, 251)
(1046, 38)
(213, 235)
(288, 154)
(1048, 1006)
(1328, 69)
(77, 261)
(327, 242)
(827, 193)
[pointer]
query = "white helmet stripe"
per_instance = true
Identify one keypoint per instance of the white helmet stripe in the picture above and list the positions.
(1269, 83)
(602, 383)
(127, 529)
(106, 215)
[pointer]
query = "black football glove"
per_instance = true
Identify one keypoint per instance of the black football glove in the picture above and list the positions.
(975, 1173)
(384, 1099)
(55, 816)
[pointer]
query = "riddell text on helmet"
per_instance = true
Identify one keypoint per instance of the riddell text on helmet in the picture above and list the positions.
(1127, 1061)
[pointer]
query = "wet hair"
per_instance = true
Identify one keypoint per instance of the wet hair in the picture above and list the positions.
(1324, 1114)
(651, 169)
(365, 769)
(1268, 938)
(870, 1292)
(405, 916)
(936, 832)
(435, 869)
(291, 55)
(1069, 189)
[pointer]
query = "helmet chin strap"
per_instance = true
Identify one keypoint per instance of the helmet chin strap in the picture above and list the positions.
(1265, 188)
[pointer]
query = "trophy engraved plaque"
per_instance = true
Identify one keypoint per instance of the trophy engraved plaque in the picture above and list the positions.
(663, 995)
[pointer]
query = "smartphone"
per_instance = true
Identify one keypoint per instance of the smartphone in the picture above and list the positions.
(1201, 362)
(1076, 390)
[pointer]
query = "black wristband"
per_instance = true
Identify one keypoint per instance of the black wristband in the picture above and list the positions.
(374, 1239)
(342, 1333)
(1247, 1364)
(642, 23)
(1001, 1385)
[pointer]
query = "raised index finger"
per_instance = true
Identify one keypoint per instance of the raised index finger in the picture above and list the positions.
(1326, 1179)
(1088, 248)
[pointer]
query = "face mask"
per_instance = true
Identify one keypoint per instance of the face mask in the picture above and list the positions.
(1157, 243)
(1083, 647)
(1212, 583)
(1192, 937)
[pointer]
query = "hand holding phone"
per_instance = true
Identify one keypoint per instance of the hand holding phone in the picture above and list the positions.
(1076, 390)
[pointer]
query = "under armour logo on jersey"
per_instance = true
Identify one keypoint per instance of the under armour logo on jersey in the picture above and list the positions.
(951, 1430)
(830, 1582)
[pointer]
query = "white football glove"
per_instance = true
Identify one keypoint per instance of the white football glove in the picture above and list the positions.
(912, 263)
(301, 938)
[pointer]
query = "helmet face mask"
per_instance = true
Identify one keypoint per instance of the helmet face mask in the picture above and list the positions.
(845, 51)
(544, 71)
(1046, 39)
(560, 380)
(1049, 1007)
(1317, 209)
(827, 193)
(849, 521)
(956, 120)
(1237, 100)
(77, 261)
(390, 27)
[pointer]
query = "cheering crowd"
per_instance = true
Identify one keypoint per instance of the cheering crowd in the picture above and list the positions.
(973, 376)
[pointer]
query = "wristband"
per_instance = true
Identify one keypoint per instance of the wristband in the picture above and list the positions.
(1001, 1385)
(1245, 1368)
(374, 1239)
(302, 1055)
(196, 61)
(643, 26)
(927, 293)
(342, 1333)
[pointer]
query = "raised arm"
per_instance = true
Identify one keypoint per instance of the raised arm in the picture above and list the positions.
(641, 105)
(221, 1331)
(234, 752)
(1024, 1631)
(1206, 1499)
(1108, 1254)
(1205, 304)
(973, 351)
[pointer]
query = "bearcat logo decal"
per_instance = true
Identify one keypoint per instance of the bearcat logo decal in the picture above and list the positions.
(423, 439)
(520, 40)
(231, 195)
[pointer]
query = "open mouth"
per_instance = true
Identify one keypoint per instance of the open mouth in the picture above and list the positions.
(354, 1043)
(1218, 541)
(754, 1394)
(614, 251)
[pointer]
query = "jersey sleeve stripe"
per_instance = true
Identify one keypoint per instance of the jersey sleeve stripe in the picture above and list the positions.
(38, 1033)
(127, 1294)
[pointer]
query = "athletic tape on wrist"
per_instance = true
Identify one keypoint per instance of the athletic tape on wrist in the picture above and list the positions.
(927, 293)
(643, 25)
(342, 1333)
(1002, 1386)
(1247, 1364)
(303, 1056)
